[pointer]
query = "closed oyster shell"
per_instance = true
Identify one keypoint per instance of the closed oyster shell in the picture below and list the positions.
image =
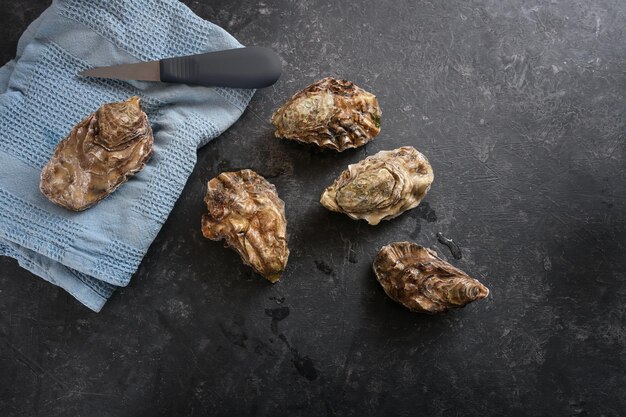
(381, 186)
(418, 279)
(330, 113)
(99, 155)
(245, 210)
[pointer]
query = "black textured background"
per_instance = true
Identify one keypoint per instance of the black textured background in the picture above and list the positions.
(518, 104)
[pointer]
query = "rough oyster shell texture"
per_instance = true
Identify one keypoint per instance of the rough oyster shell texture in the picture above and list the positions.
(418, 279)
(381, 186)
(330, 113)
(98, 156)
(245, 210)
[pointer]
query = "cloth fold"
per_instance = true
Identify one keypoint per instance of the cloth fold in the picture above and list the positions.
(91, 253)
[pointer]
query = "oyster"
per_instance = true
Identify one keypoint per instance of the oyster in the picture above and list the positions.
(418, 279)
(245, 210)
(98, 156)
(330, 113)
(381, 186)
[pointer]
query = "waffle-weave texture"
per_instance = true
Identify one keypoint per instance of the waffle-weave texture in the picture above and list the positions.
(91, 253)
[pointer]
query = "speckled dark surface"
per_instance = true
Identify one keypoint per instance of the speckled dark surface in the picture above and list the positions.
(518, 104)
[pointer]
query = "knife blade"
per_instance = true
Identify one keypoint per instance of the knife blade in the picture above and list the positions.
(251, 67)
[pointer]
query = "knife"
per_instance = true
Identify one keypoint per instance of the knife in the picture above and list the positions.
(252, 67)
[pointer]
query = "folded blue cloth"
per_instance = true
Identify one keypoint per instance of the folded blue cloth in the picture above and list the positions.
(91, 253)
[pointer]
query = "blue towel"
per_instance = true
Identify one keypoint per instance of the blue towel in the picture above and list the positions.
(91, 253)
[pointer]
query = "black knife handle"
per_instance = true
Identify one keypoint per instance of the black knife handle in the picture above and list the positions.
(253, 67)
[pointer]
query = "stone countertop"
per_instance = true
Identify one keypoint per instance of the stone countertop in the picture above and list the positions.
(518, 105)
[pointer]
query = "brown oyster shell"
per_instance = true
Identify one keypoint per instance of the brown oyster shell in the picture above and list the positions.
(418, 279)
(99, 155)
(330, 113)
(245, 210)
(381, 186)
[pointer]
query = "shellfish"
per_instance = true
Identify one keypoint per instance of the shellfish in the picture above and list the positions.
(100, 154)
(381, 186)
(244, 209)
(330, 113)
(418, 279)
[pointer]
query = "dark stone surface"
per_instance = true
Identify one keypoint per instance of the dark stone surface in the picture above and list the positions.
(519, 106)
